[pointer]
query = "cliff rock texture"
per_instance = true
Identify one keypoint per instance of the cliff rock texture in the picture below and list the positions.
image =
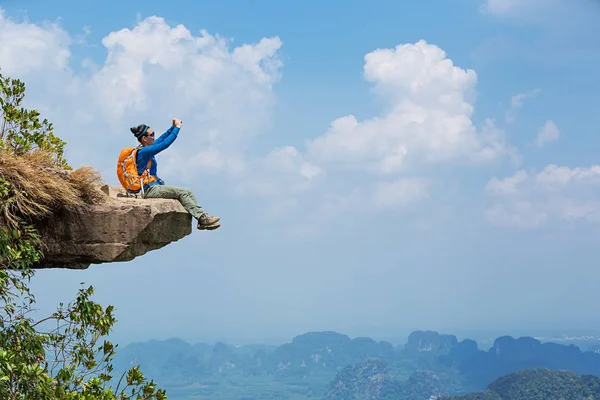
(120, 229)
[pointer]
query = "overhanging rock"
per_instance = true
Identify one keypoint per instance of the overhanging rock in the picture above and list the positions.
(116, 231)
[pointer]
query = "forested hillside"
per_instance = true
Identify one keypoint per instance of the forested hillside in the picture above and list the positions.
(539, 384)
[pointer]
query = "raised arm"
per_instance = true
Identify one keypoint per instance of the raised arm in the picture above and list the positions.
(165, 135)
(160, 144)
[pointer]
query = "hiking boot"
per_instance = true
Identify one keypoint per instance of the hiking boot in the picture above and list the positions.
(207, 222)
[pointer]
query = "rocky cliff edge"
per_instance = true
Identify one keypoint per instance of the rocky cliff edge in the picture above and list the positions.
(117, 230)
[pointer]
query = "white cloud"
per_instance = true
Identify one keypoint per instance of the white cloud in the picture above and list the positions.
(556, 193)
(26, 48)
(506, 185)
(516, 102)
(531, 9)
(427, 121)
(500, 6)
(283, 172)
(547, 133)
(399, 193)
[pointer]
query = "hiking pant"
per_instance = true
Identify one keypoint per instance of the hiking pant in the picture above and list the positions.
(184, 195)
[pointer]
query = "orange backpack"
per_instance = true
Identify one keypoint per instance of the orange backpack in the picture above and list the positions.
(128, 173)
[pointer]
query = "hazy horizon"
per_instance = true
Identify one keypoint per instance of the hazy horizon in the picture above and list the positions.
(483, 337)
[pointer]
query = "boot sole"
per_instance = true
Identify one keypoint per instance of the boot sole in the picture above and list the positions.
(211, 227)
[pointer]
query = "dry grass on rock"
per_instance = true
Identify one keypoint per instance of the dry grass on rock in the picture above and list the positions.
(86, 180)
(38, 188)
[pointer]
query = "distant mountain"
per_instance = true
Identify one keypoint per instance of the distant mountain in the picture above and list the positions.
(313, 352)
(539, 384)
(325, 351)
(177, 362)
(509, 354)
(335, 365)
(436, 365)
(430, 342)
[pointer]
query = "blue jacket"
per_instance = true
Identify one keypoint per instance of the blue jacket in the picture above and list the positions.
(148, 152)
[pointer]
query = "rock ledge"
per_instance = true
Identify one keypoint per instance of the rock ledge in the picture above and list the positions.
(119, 230)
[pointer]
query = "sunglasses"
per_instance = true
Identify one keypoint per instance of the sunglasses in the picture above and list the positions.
(149, 134)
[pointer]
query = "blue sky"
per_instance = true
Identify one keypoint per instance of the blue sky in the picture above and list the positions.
(377, 168)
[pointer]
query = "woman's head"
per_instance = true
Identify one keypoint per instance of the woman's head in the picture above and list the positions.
(144, 134)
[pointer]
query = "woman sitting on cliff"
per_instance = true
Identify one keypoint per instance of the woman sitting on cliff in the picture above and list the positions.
(156, 188)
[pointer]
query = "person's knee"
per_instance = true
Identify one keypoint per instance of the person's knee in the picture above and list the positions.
(185, 192)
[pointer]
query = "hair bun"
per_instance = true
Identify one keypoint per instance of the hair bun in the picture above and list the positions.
(133, 130)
